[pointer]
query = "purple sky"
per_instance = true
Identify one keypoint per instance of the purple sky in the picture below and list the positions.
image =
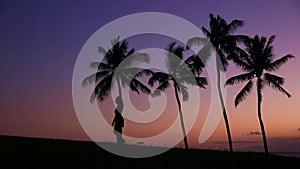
(40, 41)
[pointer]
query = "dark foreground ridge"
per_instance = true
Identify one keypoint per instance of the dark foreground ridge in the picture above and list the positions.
(20, 152)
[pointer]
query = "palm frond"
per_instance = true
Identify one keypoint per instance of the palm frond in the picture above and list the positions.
(130, 53)
(101, 50)
(114, 41)
(234, 25)
(205, 53)
(240, 62)
(243, 93)
(162, 86)
(94, 65)
(136, 72)
(196, 41)
(191, 79)
(233, 39)
(263, 40)
(100, 66)
(135, 58)
(171, 46)
(240, 78)
(94, 78)
(175, 50)
(241, 58)
(221, 22)
(159, 77)
(201, 81)
(274, 82)
(213, 23)
(102, 89)
(270, 41)
(274, 78)
(174, 57)
(206, 32)
(108, 57)
(279, 62)
(137, 86)
(195, 64)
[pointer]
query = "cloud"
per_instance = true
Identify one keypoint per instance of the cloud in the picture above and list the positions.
(253, 133)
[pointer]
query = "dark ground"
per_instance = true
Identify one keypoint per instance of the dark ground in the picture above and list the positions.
(20, 152)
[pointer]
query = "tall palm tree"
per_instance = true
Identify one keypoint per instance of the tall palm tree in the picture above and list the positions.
(111, 71)
(179, 74)
(257, 60)
(221, 39)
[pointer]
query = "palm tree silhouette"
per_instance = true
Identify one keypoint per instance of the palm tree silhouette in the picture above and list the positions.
(257, 60)
(110, 70)
(221, 39)
(179, 73)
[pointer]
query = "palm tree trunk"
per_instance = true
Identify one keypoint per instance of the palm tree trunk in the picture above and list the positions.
(119, 87)
(224, 109)
(259, 100)
(181, 119)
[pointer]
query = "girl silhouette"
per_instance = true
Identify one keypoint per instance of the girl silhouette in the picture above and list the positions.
(118, 121)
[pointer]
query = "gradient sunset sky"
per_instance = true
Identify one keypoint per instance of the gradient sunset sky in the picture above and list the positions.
(41, 40)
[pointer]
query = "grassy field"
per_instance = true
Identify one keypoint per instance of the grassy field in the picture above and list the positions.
(19, 152)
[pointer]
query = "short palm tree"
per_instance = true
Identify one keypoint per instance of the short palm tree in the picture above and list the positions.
(257, 60)
(179, 74)
(117, 67)
(221, 39)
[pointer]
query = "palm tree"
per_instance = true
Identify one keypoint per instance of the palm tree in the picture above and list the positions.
(179, 74)
(117, 67)
(257, 60)
(221, 39)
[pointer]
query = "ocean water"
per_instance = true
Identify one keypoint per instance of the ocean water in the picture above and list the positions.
(287, 154)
